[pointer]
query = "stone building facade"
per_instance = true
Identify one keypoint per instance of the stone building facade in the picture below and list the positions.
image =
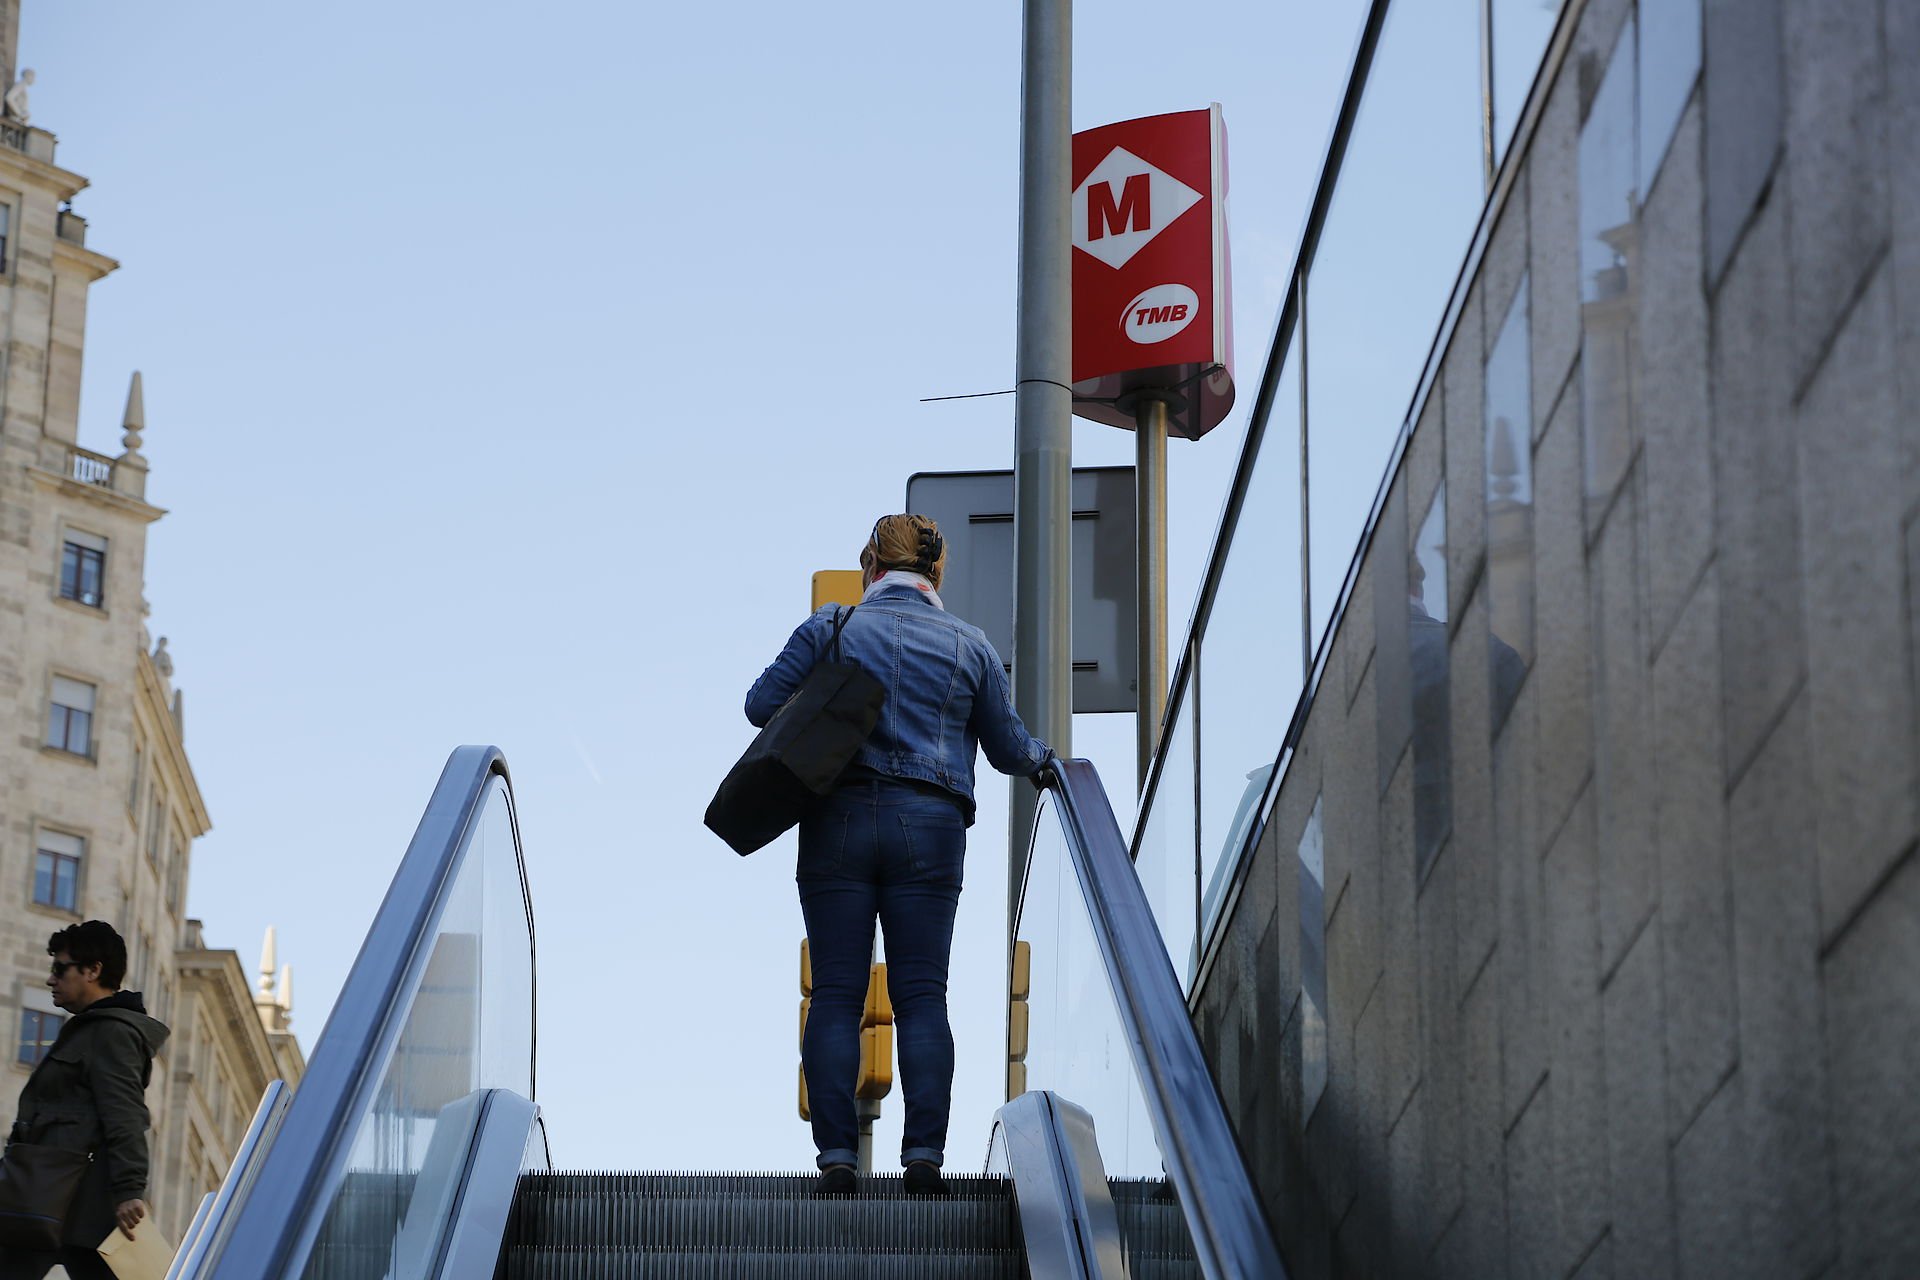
(1607, 869)
(99, 806)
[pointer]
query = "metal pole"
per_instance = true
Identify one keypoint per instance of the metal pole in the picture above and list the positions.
(1150, 533)
(868, 1110)
(1043, 408)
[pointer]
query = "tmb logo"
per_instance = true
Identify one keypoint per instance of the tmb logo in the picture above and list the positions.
(1124, 203)
(1158, 313)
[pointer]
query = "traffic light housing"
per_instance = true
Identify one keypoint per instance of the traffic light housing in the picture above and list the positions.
(1019, 982)
(875, 1080)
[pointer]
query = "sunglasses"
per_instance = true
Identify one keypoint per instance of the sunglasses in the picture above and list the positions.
(59, 967)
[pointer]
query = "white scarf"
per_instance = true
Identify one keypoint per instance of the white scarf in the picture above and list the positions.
(904, 578)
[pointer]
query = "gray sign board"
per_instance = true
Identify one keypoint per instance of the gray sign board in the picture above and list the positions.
(975, 512)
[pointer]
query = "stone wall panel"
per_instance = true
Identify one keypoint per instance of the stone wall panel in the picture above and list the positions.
(1562, 675)
(1776, 917)
(1871, 1017)
(1640, 1194)
(1857, 628)
(1756, 485)
(1471, 845)
(1696, 909)
(1836, 162)
(1670, 397)
(1570, 892)
(1622, 769)
(1745, 105)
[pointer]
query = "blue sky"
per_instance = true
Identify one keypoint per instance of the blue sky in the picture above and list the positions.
(508, 372)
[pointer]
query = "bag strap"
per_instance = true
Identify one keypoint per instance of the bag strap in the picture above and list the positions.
(839, 622)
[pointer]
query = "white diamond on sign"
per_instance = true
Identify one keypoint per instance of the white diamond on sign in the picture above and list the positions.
(1124, 203)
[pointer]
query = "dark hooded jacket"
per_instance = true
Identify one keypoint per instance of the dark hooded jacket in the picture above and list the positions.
(90, 1094)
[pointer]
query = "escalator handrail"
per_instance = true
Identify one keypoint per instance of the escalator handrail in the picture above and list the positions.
(1231, 1236)
(199, 1239)
(283, 1207)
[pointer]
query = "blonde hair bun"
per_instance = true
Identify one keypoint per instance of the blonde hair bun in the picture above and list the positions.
(905, 542)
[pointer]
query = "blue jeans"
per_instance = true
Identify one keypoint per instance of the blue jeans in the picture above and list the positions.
(880, 849)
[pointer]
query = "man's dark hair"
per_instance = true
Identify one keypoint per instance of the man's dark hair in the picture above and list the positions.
(95, 942)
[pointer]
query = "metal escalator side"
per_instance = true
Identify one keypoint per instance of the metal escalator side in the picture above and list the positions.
(1109, 1028)
(397, 1154)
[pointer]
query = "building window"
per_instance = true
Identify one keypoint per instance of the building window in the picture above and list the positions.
(176, 871)
(139, 776)
(70, 717)
(56, 870)
(6, 232)
(37, 1031)
(156, 824)
(83, 567)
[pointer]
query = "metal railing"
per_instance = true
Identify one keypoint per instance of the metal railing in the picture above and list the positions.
(1387, 255)
(389, 1098)
(199, 1239)
(1169, 1076)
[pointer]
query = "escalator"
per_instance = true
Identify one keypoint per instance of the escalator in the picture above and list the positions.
(568, 1226)
(414, 1147)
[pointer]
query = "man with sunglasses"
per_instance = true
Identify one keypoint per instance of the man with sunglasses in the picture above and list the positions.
(88, 1093)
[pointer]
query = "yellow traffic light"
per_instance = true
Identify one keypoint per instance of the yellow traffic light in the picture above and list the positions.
(1019, 981)
(876, 1038)
(876, 1063)
(876, 1033)
(836, 586)
(879, 1009)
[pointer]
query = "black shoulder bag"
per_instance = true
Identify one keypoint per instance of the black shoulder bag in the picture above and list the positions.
(37, 1186)
(801, 753)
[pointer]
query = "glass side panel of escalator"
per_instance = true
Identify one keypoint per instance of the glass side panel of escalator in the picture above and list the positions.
(469, 1029)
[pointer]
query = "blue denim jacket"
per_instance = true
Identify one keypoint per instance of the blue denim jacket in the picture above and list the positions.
(946, 691)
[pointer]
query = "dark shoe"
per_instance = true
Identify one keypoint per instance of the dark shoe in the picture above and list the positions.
(837, 1180)
(924, 1179)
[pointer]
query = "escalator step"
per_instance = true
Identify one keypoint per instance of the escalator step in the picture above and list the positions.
(752, 1264)
(758, 1213)
(1153, 1230)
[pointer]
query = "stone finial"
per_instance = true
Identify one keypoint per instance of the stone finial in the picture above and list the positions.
(283, 995)
(162, 660)
(16, 97)
(267, 959)
(134, 420)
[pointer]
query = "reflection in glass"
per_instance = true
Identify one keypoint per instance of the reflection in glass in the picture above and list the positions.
(1403, 211)
(1509, 425)
(1521, 29)
(1076, 1044)
(1392, 666)
(469, 1028)
(1250, 651)
(1166, 857)
(1313, 966)
(1669, 63)
(1609, 250)
(1432, 675)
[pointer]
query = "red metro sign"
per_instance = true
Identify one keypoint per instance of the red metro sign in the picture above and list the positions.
(1151, 298)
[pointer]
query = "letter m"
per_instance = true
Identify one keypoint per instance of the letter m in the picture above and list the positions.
(1132, 212)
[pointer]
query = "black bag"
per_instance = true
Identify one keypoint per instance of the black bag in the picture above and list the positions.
(37, 1186)
(801, 753)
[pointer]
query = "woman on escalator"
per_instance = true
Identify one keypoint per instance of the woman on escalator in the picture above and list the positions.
(890, 841)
